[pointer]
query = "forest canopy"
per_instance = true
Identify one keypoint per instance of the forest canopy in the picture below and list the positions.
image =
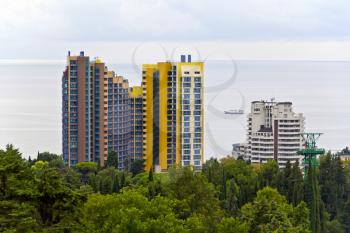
(229, 195)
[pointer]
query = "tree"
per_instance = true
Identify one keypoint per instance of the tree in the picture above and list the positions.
(345, 218)
(212, 169)
(47, 156)
(333, 184)
(72, 178)
(137, 166)
(312, 198)
(56, 203)
(85, 168)
(244, 175)
(192, 188)
(106, 181)
(150, 175)
(16, 188)
(228, 225)
(284, 181)
(296, 188)
(231, 201)
(333, 227)
(129, 211)
(112, 159)
(34, 199)
(291, 183)
(270, 212)
(268, 174)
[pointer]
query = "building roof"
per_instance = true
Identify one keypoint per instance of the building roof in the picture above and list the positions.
(290, 103)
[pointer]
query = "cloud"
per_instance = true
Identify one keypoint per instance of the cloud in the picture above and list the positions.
(125, 20)
(156, 18)
(30, 20)
(37, 27)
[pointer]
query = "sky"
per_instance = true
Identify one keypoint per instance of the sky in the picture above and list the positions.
(127, 33)
(38, 30)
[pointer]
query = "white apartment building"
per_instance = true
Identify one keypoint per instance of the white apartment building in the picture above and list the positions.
(274, 132)
(240, 150)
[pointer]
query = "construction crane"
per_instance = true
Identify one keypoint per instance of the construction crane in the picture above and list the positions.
(310, 151)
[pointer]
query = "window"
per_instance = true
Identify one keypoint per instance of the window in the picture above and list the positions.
(197, 101)
(187, 79)
(186, 90)
(197, 90)
(197, 140)
(186, 107)
(186, 96)
(198, 129)
(197, 79)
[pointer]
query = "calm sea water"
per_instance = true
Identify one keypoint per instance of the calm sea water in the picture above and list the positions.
(30, 100)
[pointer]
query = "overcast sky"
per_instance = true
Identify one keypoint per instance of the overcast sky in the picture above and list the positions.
(146, 31)
(243, 29)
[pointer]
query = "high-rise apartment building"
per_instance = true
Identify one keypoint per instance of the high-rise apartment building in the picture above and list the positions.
(136, 131)
(118, 117)
(77, 105)
(95, 112)
(173, 114)
(96, 125)
(239, 150)
(160, 122)
(274, 132)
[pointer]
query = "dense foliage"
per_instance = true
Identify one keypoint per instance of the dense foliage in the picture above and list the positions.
(44, 195)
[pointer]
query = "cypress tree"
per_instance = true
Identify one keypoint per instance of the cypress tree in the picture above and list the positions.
(285, 183)
(223, 186)
(345, 219)
(150, 175)
(115, 184)
(231, 203)
(297, 184)
(122, 180)
(112, 159)
(312, 198)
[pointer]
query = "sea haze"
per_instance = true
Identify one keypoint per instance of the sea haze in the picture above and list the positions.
(30, 100)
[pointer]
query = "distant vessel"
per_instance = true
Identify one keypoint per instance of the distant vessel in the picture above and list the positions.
(240, 111)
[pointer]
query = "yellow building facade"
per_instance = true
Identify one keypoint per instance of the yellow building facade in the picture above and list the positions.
(173, 120)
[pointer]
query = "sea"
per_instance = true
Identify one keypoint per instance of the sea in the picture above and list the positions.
(30, 100)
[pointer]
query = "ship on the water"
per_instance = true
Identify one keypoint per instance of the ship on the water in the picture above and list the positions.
(234, 112)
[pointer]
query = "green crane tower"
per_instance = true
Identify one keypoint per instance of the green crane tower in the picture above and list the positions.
(310, 151)
(312, 194)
